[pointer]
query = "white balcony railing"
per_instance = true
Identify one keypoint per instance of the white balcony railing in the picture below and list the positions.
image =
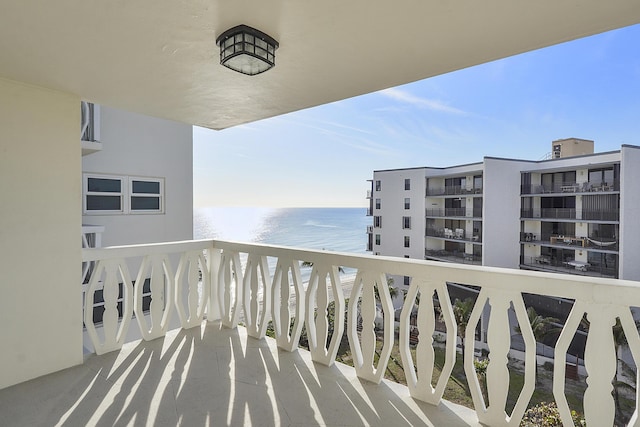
(232, 281)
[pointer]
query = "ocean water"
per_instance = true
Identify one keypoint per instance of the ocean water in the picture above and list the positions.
(330, 229)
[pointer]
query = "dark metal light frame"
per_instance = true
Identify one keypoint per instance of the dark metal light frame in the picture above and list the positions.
(247, 50)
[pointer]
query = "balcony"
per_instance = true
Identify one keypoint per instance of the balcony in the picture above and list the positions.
(453, 191)
(546, 263)
(454, 213)
(570, 187)
(453, 234)
(601, 215)
(214, 368)
(458, 257)
(548, 213)
(90, 128)
(600, 244)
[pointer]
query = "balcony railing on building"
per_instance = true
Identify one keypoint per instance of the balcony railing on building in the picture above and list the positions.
(89, 128)
(569, 266)
(593, 242)
(570, 187)
(571, 213)
(549, 213)
(453, 191)
(601, 215)
(454, 213)
(454, 234)
(227, 282)
(459, 257)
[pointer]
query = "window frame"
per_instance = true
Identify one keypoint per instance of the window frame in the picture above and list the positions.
(159, 195)
(126, 194)
(122, 194)
(406, 223)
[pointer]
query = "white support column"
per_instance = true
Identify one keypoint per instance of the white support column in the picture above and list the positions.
(40, 220)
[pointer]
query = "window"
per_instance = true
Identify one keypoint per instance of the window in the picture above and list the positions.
(407, 280)
(377, 239)
(378, 185)
(407, 242)
(377, 203)
(146, 195)
(407, 184)
(110, 194)
(406, 222)
(407, 203)
(103, 194)
(377, 221)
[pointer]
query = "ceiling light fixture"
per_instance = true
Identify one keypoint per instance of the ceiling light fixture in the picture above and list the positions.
(247, 50)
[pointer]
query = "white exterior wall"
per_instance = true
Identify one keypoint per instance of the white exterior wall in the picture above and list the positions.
(501, 213)
(137, 145)
(392, 210)
(40, 226)
(629, 267)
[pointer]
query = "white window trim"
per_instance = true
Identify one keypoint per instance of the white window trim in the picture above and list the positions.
(159, 196)
(126, 192)
(122, 194)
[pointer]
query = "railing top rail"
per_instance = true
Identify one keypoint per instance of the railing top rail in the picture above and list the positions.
(130, 251)
(543, 283)
(591, 289)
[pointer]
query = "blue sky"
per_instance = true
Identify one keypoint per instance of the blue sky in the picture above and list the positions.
(514, 107)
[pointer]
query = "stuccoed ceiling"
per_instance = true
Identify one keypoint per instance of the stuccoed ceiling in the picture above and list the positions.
(160, 58)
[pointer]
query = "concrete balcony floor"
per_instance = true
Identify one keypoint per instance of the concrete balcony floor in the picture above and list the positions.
(215, 376)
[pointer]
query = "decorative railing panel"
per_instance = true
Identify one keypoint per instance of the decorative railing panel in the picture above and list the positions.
(318, 316)
(363, 297)
(419, 372)
(162, 283)
(234, 283)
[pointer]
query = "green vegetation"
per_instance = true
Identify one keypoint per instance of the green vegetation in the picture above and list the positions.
(546, 415)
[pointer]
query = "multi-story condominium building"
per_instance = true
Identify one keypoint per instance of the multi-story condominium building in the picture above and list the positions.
(573, 213)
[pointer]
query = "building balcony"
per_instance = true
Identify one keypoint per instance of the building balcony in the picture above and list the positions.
(599, 215)
(570, 187)
(452, 256)
(576, 242)
(454, 213)
(220, 368)
(90, 128)
(453, 191)
(546, 263)
(458, 235)
(548, 213)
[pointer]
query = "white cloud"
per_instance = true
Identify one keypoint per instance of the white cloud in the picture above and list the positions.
(430, 104)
